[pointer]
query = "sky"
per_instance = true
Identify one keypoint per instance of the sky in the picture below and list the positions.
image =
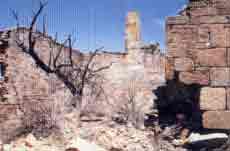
(95, 23)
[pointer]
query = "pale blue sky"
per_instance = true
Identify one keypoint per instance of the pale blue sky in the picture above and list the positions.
(97, 23)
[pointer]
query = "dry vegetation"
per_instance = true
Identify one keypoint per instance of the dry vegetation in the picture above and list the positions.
(77, 76)
(85, 78)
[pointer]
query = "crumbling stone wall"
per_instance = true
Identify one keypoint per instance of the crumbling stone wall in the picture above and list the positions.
(198, 42)
(140, 63)
(3, 81)
(146, 69)
(24, 81)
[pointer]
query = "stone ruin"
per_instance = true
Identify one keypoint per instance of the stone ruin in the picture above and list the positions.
(198, 43)
(196, 68)
(22, 80)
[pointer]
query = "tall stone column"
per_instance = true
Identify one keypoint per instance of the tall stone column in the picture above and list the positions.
(133, 39)
(132, 30)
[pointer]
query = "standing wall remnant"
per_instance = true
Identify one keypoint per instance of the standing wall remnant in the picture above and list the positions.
(198, 43)
(132, 30)
(23, 81)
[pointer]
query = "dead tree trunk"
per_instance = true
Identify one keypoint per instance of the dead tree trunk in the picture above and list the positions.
(78, 76)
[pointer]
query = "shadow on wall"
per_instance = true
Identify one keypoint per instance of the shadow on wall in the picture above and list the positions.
(176, 98)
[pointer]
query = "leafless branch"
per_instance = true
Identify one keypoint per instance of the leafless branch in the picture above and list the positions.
(74, 75)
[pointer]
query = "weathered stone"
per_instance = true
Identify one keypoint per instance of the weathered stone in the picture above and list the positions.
(213, 19)
(216, 119)
(8, 109)
(132, 29)
(183, 64)
(169, 68)
(205, 38)
(212, 36)
(212, 98)
(218, 35)
(10, 129)
(228, 53)
(177, 52)
(177, 20)
(228, 98)
(195, 77)
(220, 76)
(180, 39)
(227, 29)
(224, 11)
(28, 84)
(203, 11)
(215, 57)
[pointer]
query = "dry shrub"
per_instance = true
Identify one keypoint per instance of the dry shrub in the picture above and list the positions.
(43, 118)
(130, 107)
(94, 99)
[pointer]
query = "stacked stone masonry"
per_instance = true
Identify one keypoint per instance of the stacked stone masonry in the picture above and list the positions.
(24, 81)
(198, 43)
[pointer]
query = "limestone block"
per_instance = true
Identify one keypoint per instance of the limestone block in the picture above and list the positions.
(183, 64)
(195, 77)
(216, 119)
(224, 11)
(181, 39)
(213, 19)
(177, 20)
(220, 76)
(215, 57)
(177, 50)
(213, 33)
(204, 11)
(212, 98)
(218, 35)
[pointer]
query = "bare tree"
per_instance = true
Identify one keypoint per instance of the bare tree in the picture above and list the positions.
(75, 76)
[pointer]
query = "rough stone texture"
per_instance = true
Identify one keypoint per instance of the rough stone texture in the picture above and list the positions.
(177, 20)
(139, 69)
(228, 54)
(211, 57)
(215, 34)
(132, 33)
(213, 98)
(195, 77)
(125, 138)
(180, 39)
(212, 19)
(201, 32)
(220, 76)
(228, 98)
(24, 81)
(183, 64)
(216, 119)
(169, 68)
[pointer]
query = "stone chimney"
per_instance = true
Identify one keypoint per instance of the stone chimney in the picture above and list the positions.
(132, 30)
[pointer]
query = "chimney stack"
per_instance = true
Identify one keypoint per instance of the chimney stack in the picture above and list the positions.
(132, 30)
